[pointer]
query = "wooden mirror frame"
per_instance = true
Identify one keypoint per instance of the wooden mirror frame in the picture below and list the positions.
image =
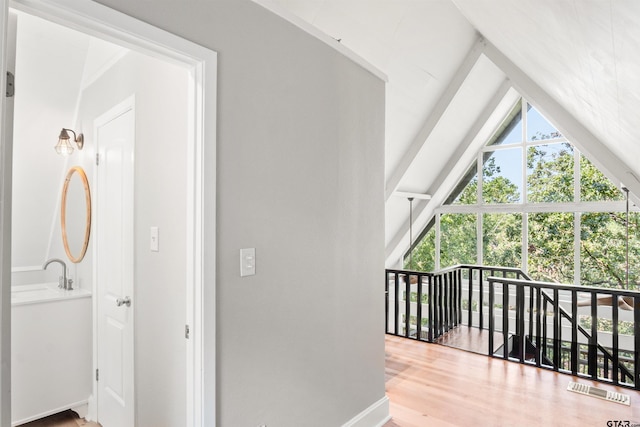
(63, 213)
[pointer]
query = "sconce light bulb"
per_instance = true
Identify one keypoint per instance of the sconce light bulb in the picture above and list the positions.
(63, 147)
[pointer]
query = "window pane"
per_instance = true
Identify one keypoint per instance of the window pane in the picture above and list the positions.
(466, 192)
(603, 249)
(457, 239)
(594, 186)
(424, 253)
(551, 247)
(550, 173)
(538, 128)
(502, 176)
(502, 240)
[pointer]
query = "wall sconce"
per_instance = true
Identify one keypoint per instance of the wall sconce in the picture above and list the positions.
(63, 146)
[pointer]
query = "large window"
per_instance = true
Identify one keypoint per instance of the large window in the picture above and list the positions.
(532, 200)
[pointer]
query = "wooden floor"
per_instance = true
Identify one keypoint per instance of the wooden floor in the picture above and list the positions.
(62, 419)
(470, 339)
(433, 385)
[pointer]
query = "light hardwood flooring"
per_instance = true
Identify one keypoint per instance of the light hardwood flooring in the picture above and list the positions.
(433, 385)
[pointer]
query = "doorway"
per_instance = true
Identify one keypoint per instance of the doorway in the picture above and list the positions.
(200, 131)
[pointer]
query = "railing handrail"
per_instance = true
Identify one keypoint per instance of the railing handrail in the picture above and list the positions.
(458, 267)
(566, 287)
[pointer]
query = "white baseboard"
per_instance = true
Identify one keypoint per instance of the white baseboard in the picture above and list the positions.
(75, 406)
(375, 415)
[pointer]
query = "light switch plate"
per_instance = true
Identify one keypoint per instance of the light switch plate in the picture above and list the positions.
(247, 262)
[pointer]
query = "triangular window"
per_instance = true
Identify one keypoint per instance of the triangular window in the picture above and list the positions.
(538, 204)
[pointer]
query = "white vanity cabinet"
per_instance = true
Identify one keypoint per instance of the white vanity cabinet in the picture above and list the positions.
(51, 354)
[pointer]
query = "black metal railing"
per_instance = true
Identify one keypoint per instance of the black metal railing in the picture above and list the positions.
(537, 329)
(543, 324)
(426, 305)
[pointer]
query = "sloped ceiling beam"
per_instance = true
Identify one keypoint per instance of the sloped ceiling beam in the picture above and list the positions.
(571, 128)
(432, 120)
(423, 210)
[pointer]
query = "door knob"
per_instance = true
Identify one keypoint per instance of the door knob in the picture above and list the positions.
(123, 301)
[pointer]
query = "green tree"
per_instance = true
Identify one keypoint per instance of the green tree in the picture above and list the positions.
(550, 179)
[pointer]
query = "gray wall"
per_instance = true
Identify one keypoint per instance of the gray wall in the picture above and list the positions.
(300, 178)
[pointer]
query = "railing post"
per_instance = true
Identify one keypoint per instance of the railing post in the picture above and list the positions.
(545, 335)
(574, 332)
(531, 290)
(407, 305)
(557, 331)
(505, 319)
(480, 299)
(470, 292)
(431, 310)
(520, 322)
(636, 342)
(593, 339)
(538, 327)
(386, 302)
(446, 303)
(459, 298)
(616, 360)
(419, 307)
(491, 316)
(396, 305)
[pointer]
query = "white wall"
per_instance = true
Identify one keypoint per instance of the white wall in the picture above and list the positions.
(159, 192)
(300, 172)
(45, 102)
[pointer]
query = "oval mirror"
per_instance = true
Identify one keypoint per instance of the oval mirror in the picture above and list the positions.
(75, 216)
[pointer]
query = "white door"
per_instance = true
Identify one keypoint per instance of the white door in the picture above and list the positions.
(114, 266)
(6, 144)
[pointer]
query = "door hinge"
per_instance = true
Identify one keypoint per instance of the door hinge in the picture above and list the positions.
(97, 374)
(11, 89)
(97, 159)
(186, 331)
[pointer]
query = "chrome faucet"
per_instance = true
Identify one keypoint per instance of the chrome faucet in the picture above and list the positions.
(63, 282)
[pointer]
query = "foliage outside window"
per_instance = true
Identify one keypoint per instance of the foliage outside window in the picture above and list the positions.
(502, 239)
(458, 239)
(550, 247)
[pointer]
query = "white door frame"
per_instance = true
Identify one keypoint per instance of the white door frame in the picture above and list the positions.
(100, 21)
(7, 62)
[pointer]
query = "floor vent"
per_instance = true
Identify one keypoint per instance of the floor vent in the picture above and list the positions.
(611, 396)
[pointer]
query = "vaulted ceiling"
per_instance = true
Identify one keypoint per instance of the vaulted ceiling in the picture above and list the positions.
(455, 67)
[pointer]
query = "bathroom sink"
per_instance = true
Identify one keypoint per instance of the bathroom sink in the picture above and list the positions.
(37, 292)
(43, 292)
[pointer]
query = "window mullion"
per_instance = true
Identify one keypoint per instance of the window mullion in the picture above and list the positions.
(479, 240)
(525, 198)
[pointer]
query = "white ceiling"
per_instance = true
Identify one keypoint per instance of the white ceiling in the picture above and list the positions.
(580, 55)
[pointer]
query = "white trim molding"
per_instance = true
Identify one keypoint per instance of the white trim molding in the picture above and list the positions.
(375, 415)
